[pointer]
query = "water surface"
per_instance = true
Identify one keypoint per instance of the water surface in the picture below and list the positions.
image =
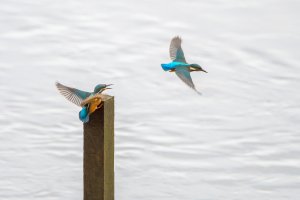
(239, 140)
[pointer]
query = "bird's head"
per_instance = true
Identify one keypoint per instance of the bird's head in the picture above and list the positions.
(101, 87)
(196, 67)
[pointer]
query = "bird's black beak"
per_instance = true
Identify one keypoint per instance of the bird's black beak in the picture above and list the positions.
(107, 88)
(203, 70)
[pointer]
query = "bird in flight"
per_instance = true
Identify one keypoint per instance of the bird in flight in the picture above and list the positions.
(179, 64)
(88, 101)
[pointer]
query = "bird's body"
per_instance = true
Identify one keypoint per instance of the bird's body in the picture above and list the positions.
(94, 104)
(179, 64)
(89, 105)
(173, 65)
(89, 101)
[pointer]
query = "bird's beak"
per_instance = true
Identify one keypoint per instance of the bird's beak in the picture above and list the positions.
(203, 70)
(107, 88)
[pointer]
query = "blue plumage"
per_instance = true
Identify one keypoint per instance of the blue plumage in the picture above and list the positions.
(173, 65)
(84, 114)
(80, 98)
(166, 67)
(179, 64)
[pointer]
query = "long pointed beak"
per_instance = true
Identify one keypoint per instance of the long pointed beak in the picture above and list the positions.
(106, 87)
(203, 70)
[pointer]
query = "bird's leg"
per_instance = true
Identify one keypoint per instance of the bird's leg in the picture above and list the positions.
(87, 107)
(99, 106)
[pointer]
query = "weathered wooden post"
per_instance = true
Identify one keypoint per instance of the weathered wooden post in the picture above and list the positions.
(98, 158)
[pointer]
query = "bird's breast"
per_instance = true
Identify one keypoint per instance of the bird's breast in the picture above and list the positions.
(95, 102)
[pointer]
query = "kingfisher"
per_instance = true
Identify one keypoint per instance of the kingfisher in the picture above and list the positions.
(88, 101)
(179, 64)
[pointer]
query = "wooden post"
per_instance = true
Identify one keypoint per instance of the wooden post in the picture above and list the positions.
(98, 158)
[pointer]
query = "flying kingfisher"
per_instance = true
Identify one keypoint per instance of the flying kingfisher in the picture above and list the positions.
(89, 101)
(179, 64)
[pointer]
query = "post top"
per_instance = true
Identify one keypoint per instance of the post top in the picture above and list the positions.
(105, 97)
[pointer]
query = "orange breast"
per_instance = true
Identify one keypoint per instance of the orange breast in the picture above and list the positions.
(94, 103)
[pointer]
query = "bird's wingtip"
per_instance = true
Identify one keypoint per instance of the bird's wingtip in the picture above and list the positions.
(177, 37)
(196, 91)
(57, 83)
(199, 93)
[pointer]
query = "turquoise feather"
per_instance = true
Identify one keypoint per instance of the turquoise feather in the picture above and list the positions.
(84, 114)
(179, 64)
(173, 65)
(78, 96)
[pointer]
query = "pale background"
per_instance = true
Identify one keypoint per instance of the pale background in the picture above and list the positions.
(239, 140)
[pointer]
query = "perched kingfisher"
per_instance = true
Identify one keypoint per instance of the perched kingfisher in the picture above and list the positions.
(89, 101)
(179, 64)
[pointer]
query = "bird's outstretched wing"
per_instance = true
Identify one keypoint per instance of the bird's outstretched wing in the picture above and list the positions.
(72, 94)
(184, 74)
(175, 50)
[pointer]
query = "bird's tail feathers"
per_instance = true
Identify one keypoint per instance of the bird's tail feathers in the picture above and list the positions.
(84, 115)
(165, 67)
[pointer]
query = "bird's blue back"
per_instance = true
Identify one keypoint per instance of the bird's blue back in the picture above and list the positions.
(173, 65)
